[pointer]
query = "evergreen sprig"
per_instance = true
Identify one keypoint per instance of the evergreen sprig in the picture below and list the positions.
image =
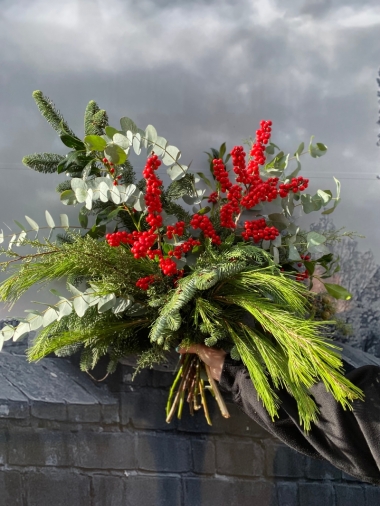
(43, 162)
(51, 113)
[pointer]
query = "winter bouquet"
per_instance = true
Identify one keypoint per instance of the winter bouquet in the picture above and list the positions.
(217, 260)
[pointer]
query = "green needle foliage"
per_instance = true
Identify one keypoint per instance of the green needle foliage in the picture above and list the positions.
(233, 296)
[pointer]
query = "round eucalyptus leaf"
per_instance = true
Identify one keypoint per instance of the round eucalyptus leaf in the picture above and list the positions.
(103, 191)
(172, 154)
(137, 143)
(150, 135)
(127, 124)
(49, 219)
(35, 321)
(80, 305)
(177, 172)
(81, 195)
(7, 332)
(65, 308)
(139, 204)
(50, 316)
(115, 195)
(68, 198)
(115, 154)
(78, 183)
(121, 140)
(106, 302)
(159, 146)
(89, 199)
(21, 331)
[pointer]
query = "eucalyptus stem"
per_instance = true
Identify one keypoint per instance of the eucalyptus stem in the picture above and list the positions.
(204, 402)
(218, 396)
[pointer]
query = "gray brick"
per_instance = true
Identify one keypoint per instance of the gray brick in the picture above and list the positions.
(110, 413)
(239, 458)
(153, 491)
(348, 477)
(59, 488)
(108, 491)
(84, 412)
(145, 409)
(203, 453)
(349, 494)
(163, 453)
(13, 404)
(316, 494)
(3, 447)
(10, 488)
(284, 462)
(249, 493)
(38, 447)
(287, 493)
(321, 470)
(104, 450)
(49, 410)
(372, 495)
(208, 492)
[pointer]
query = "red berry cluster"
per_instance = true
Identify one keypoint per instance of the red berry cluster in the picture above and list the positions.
(144, 283)
(177, 229)
(232, 208)
(116, 238)
(262, 138)
(142, 245)
(111, 170)
(301, 276)
(258, 230)
(204, 223)
(297, 184)
(168, 266)
(221, 174)
(213, 197)
(153, 192)
(183, 248)
(260, 192)
(238, 161)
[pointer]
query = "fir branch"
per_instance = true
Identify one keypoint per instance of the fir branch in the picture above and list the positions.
(89, 128)
(64, 185)
(51, 113)
(43, 162)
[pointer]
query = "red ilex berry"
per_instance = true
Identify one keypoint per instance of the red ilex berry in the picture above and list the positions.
(105, 160)
(144, 283)
(168, 266)
(213, 197)
(259, 230)
(119, 177)
(297, 184)
(262, 138)
(153, 193)
(301, 276)
(112, 170)
(177, 229)
(221, 174)
(115, 183)
(204, 223)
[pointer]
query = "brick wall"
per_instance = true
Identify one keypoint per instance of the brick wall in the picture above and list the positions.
(66, 441)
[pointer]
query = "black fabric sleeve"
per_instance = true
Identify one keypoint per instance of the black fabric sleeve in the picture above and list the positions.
(350, 440)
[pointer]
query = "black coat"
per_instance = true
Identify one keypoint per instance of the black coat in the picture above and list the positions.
(350, 440)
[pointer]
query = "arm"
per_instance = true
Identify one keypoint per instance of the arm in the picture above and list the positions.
(350, 440)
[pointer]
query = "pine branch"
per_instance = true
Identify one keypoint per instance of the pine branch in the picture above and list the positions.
(51, 113)
(99, 122)
(43, 162)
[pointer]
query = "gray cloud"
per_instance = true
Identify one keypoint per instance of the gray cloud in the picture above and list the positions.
(202, 72)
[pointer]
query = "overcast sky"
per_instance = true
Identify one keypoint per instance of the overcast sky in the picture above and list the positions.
(202, 72)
